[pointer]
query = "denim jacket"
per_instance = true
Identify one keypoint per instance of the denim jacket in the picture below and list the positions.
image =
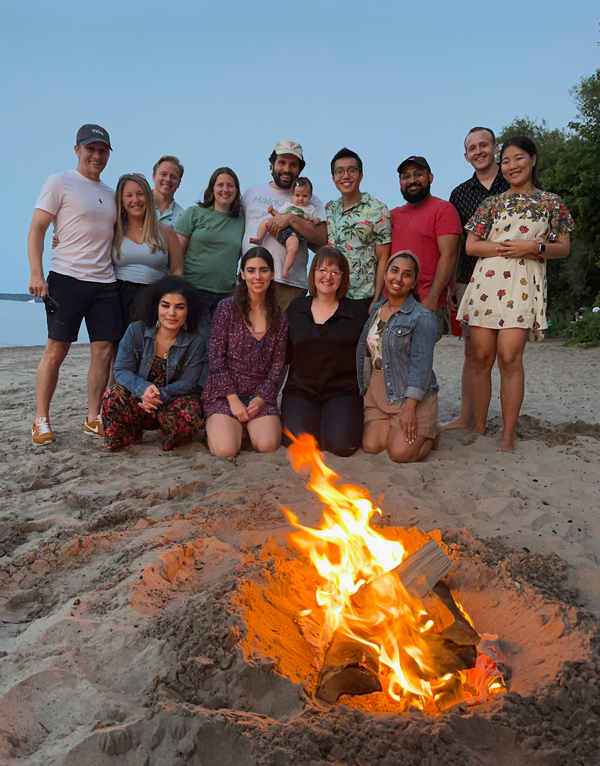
(407, 353)
(185, 360)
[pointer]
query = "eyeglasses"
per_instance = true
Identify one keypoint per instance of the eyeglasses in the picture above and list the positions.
(418, 175)
(335, 273)
(339, 172)
(128, 175)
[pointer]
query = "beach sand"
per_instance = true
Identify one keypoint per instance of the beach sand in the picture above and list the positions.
(147, 599)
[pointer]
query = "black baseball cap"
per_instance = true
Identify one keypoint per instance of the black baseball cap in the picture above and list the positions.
(417, 160)
(87, 134)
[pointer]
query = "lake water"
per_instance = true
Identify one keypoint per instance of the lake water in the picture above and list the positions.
(24, 324)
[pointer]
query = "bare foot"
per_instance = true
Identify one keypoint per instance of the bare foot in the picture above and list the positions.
(507, 444)
(459, 422)
(255, 241)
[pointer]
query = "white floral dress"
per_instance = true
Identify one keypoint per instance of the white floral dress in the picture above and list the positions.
(512, 292)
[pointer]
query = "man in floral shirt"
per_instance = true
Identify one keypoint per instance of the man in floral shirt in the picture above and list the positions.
(360, 226)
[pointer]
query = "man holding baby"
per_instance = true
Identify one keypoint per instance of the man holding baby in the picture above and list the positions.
(268, 202)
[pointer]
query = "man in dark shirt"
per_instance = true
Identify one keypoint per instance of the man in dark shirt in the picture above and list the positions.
(486, 181)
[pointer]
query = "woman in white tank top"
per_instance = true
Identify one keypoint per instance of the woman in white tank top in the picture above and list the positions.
(144, 250)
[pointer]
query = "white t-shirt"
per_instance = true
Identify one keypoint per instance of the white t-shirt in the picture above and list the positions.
(255, 202)
(84, 219)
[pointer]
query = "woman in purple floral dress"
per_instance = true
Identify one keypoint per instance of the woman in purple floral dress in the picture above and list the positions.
(513, 235)
(247, 347)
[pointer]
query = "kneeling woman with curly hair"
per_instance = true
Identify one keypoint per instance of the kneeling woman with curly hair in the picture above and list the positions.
(247, 347)
(158, 365)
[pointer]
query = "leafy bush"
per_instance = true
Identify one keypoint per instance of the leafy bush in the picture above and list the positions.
(586, 332)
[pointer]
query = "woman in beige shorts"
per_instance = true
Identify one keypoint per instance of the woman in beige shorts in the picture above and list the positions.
(394, 363)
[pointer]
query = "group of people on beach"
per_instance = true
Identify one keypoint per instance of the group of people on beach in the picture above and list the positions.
(185, 335)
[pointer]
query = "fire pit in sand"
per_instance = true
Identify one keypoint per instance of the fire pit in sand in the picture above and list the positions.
(385, 620)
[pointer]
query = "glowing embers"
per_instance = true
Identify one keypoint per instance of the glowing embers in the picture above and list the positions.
(387, 620)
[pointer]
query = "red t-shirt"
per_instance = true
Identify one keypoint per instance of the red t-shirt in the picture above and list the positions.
(416, 228)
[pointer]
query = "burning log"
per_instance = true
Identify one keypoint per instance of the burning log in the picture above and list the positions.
(448, 621)
(418, 573)
(350, 667)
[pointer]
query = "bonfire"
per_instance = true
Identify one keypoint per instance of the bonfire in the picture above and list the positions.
(387, 621)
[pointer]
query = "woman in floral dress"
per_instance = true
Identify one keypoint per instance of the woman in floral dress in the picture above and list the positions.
(247, 347)
(513, 234)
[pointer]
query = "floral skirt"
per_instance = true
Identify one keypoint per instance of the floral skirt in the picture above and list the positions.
(504, 293)
(125, 421)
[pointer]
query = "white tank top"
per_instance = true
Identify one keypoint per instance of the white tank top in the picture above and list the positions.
(138, 264)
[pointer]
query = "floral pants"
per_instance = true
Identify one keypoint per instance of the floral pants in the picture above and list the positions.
(125, 421)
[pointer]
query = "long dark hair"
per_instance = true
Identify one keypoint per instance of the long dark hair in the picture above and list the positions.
(414, 289)
(527, 145)
(147, 304)
(209, 194)
(241, 300)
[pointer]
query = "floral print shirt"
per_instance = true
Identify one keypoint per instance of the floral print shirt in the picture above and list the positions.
(521, 216)
(356, 231)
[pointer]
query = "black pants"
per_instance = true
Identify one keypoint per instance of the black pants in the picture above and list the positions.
(337, 424)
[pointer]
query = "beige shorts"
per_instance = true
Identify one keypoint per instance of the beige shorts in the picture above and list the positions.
(460, 291)
(286, 294)
(377, 408)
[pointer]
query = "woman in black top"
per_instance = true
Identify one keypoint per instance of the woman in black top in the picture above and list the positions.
(321, 395)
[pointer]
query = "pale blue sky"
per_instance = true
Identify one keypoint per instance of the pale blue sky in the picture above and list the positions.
(218, 83)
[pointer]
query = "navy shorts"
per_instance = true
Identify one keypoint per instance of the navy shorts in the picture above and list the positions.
(96, 302)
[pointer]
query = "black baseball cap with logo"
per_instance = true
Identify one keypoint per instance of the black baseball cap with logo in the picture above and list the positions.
(417, 160)
(87, 134)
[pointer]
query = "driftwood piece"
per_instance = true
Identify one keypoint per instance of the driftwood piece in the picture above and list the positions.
(418, 573)
(350, 667)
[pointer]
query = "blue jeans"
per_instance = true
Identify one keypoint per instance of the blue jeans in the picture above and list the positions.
(337, 424)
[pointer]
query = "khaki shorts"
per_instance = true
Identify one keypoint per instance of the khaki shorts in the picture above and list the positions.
(286, 294)
(460, 291)
(377, 408)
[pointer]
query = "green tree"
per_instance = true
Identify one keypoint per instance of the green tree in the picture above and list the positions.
(548, 141)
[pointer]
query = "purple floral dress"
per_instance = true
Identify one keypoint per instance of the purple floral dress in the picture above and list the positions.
(240, 364)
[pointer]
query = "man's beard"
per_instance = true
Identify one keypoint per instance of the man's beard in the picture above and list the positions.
(285, 184)
(418, 196)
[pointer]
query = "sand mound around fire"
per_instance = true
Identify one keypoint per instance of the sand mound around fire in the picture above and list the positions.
(240, 649)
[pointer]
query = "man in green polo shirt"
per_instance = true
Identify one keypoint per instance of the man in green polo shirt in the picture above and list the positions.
(359, 225)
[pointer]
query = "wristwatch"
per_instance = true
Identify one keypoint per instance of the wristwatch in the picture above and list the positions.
(542, 248)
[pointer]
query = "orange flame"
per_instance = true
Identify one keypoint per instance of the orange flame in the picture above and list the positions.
(348, 554)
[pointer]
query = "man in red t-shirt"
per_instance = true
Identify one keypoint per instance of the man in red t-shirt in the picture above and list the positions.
(430, 228)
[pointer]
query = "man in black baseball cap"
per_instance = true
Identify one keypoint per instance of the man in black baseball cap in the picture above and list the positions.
(81, 282)
(430, 228)
(87, 134)
(417, 159)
